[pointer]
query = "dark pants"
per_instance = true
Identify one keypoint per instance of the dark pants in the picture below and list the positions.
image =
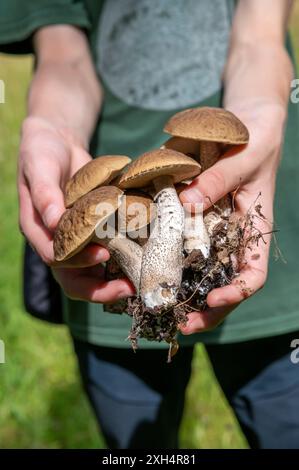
(138, 398)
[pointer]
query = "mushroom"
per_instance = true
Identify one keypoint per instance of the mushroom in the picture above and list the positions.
(98, 172)
(196, 236)
(161, 267)
(187, 146)
(211, 127)
(136, 213)
(87, 221)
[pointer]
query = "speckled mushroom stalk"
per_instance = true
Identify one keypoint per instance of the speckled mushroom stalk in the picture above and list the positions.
(162, 260)
(126, 253)
(86, 222)
(196, 236)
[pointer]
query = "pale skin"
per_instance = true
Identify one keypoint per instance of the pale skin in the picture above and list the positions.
(64, 102)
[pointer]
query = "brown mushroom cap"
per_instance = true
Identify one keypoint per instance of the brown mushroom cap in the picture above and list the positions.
(97, 172)
(209, 124)
(160, 162)
(136, 211)
(77, 225)
(182, 186)
(189, 147)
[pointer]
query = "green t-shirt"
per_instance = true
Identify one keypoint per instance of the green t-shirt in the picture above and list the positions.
(155, 57)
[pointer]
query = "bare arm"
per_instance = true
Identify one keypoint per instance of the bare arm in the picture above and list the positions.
(257, 80)
(65, 89)
(63, 105)
(258, 65)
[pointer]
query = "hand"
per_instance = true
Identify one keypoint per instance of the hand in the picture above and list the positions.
(48, 158)
(251, 170)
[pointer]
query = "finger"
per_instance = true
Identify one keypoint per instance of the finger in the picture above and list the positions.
(248, 283)
(79, 158)
(46, 194)
(92, 288)
(204, 321)
(32, 226)
(63, 273)
(214, 183)
(91, 255)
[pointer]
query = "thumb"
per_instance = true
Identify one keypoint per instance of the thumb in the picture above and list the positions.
(45, 186)
(47, 197)
(211, 185)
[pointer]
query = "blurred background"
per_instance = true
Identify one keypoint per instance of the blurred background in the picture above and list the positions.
(42, 404)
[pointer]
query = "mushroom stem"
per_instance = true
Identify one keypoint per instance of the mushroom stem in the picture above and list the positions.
(162, 260)
(195, 234)
(209, 155)
(126, 253)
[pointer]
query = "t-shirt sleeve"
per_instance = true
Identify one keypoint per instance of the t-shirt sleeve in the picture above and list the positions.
(19, 19)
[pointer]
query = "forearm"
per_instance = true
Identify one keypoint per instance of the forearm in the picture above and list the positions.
(65, 91)
(262, 73)
(258, 68)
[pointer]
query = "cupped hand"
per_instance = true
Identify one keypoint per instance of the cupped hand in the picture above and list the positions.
(48, 158)
(247, 172)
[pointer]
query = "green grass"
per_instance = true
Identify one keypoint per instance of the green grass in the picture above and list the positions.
(42, 404)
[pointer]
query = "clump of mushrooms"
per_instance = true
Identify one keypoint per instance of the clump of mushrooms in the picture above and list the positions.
(175, 265)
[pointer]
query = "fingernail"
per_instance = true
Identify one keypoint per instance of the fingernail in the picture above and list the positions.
(192, 195)
(123, 295)
(51, 216)
(102, 255)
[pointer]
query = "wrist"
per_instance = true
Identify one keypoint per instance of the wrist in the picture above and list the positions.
(34, 124)
(67, 96)
(253, 110)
